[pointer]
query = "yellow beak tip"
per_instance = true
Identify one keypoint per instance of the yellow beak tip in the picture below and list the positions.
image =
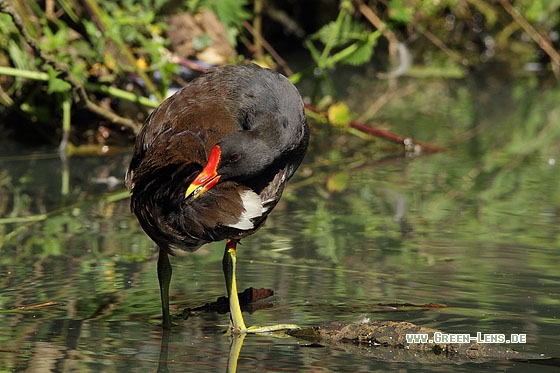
(194, 191)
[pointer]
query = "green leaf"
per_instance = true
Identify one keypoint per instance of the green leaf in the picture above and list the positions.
(364, 50)
(56, 84)
(230, 12)
(338, 182)
(339, 114)
(349, 31)
(18, 56)
(357, 53)
(398, 11)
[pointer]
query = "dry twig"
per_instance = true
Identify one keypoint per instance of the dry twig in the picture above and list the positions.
(541, 40)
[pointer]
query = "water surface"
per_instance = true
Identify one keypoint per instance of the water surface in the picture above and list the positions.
(363, 228)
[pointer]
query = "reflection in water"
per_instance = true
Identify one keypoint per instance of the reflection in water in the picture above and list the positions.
(235, 349)
(164, 351)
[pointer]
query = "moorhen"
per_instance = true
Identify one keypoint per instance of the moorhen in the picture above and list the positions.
(210, 164)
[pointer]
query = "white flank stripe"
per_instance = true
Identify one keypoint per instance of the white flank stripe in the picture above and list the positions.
(253, 209)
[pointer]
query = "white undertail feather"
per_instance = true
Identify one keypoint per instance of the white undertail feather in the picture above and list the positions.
(253, 209)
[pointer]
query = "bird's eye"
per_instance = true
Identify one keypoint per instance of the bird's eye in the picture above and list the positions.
(234, 158)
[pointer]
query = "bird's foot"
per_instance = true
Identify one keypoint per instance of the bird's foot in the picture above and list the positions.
(271, 328)
(264, 329)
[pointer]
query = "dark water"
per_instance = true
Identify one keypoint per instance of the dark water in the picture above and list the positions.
(363, 227)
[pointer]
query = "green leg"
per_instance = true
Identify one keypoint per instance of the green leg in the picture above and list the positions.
(236, 317)
(164, 275)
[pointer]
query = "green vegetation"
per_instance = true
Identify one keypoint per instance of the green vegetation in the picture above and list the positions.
(97, 53)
